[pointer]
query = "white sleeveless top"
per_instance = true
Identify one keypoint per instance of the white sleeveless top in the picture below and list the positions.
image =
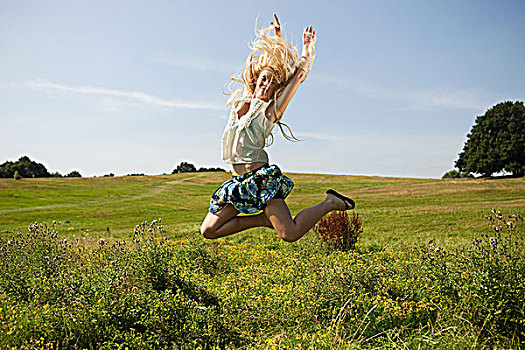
(243, 140)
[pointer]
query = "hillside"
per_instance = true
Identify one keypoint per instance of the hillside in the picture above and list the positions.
(395, 211)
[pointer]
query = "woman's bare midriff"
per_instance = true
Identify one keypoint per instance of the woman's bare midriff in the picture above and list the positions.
(241, 169)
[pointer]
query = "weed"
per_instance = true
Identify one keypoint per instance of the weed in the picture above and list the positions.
(338, 231)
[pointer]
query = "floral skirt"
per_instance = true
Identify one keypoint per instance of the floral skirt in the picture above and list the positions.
(251, 192)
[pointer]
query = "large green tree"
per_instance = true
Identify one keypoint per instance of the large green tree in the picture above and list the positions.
(496, 142)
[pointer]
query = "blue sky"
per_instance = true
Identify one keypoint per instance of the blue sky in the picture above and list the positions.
(136, 86)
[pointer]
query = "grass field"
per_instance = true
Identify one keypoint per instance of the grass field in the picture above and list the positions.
(395, 211)
(171, 288)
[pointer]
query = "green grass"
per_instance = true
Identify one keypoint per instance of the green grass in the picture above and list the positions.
(62, 287)
(395, 211)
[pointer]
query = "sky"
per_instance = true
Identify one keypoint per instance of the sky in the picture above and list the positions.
(138, 86)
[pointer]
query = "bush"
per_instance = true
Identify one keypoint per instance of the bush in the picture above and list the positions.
(184, 167)
(74, 173)
(454, 174)
(338, 231)
(17, 175)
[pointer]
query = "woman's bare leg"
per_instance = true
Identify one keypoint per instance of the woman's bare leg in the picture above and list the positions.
(290, 229)
(225, 222)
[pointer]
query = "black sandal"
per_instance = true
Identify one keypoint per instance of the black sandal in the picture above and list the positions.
(350, 204)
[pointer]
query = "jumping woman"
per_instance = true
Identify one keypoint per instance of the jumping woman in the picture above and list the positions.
(270, 78)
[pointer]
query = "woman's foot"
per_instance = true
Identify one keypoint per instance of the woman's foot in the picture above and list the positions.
(340, 202)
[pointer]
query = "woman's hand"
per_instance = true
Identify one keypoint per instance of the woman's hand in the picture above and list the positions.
(308, 53)
(277, 26)
(308, 42)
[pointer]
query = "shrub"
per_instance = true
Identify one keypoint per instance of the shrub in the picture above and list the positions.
(184, 167)
(338, 231)
(74, 173)
(17, 175)
(454, 174)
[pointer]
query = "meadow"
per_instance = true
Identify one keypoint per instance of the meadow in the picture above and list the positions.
(118, 262)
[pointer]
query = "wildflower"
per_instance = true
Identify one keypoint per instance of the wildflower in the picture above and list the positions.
(493, 241)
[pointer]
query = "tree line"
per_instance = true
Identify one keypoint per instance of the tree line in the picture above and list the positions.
(26, 168)
(186, 167)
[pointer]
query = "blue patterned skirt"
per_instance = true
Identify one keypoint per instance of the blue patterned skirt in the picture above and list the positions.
(251, 192)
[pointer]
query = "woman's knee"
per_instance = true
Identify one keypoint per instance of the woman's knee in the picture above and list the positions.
(208, 231)
(287, 234)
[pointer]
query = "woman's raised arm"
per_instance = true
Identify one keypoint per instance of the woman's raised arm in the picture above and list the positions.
(276, 109)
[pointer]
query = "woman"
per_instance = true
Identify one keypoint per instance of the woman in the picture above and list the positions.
(270, 77)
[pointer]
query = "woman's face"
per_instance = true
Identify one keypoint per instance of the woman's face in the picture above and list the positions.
(265, 85)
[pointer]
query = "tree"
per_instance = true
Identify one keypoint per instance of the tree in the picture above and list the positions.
(74, 173)
(184, 167)
(454, 174)
(202, 169)
(496, 142)
(25, 167)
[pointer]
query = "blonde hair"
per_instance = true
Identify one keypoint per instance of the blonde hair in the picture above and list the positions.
(267, 52)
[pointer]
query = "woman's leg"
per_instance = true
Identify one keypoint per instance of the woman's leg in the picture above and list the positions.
(226, 222)
(290, 229)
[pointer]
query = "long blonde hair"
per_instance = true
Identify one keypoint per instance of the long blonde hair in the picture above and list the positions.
(267, 51)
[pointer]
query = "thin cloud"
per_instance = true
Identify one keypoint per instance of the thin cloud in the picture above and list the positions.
(319, 136)
(136, 96)
(197, 63)
(450, 97)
